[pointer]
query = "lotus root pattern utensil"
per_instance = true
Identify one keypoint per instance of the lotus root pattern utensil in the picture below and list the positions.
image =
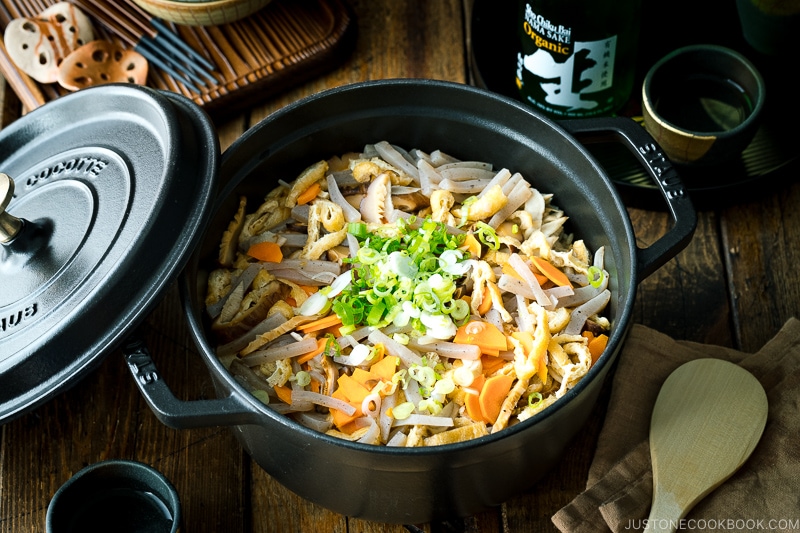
(707, 420)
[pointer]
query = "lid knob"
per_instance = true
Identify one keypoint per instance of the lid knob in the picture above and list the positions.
(9, 225)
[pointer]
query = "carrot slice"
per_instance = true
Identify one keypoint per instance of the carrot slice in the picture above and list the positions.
(340, 418)
(321, 323)
(471, 245)
(486, 303)
(284, 393)
(309, 194)
(551, 272)
(350, 427)
(362, 376)
(353, 391)
(308, 289)
(491, 364)
(509, 271)
(472, 401)
(333, 330)
(385, 368)
(269, 252)
(597, 345)
(483, 334)
(313, 353)
(492, 395)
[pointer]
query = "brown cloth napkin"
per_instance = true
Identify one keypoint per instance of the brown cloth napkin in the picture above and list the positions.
(764, 495)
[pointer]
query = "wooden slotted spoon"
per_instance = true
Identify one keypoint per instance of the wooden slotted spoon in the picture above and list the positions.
(708, 418)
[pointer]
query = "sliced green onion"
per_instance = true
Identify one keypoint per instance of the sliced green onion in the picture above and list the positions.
(384, 287)
(403, 410)
(358, 230)
(402, 338)
(444, 386)
(465, 209)
(487, 235)
(400, 377)
(427, 301)
(401, 264)
(425, 375)
(411, 266)
(538, 397)
(460, 309)
(596, 276)
(367, 256)
(372, 297)
(442, 286)
(432, 406)
(463, 376)
(359, 354)
(347, 330)
(331, 346)
(375, 314)
(315, 304)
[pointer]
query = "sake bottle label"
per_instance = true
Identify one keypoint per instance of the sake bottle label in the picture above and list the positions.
(563, 70)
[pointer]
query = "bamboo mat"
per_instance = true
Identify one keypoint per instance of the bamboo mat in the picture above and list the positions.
(287, 42)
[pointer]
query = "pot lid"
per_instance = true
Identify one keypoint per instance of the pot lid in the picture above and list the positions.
(104, 193)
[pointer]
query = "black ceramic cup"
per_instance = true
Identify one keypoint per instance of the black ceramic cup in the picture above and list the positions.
(702, 104)
(115, 495)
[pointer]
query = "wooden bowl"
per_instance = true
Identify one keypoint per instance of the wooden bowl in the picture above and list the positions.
(201, 13)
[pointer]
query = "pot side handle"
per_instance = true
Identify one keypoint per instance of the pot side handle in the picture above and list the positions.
(171, 411)
(659, 168)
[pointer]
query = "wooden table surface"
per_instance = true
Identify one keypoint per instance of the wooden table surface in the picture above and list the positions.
(735, 285)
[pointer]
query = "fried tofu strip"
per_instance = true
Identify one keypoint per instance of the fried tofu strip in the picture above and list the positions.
(459, 434)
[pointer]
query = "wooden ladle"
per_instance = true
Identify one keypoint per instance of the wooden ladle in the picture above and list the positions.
(708, 418)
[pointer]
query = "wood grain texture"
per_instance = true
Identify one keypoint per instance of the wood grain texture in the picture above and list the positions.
(692, 285)
(283, 44)
(10, 103)
(706, 422)
(104, 417)
(395, 40)
(760, 242)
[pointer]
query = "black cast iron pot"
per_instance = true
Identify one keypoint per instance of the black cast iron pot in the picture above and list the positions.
(415, 485)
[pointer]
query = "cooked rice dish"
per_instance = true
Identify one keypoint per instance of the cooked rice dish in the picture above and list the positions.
(403, 298)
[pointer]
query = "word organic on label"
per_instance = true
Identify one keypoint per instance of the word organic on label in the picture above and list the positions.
(569, 75)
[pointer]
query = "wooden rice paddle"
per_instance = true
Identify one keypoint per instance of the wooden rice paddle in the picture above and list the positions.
(708, 418)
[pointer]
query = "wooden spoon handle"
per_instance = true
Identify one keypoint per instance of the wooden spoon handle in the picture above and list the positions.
(664, 516)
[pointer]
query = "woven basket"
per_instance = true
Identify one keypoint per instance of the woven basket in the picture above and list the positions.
(201, 13)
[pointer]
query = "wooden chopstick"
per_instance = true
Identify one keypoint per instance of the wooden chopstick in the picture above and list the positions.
(144, 39)
(124, 28)
(126, 11)
(25, 88)
(217, 59)
(30, 93)
(100, 12)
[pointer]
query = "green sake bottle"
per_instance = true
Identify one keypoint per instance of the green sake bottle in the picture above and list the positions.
(577, 58)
